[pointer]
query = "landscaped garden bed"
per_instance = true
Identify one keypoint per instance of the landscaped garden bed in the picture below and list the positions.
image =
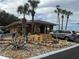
(32, 49)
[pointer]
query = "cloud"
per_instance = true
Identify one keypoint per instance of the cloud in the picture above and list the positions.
(45, 10)
(10, 6)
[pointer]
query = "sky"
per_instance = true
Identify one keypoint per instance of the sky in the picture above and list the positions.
(45, 10)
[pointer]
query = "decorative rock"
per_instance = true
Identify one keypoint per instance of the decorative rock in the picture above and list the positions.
(37, 48)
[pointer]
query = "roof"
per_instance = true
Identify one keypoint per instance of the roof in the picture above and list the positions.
(30, 21)
(44, 22)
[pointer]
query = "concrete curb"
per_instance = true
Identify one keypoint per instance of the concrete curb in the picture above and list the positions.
(2, 57)
(53, 52)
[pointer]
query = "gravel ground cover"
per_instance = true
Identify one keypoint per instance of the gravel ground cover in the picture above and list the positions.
(32, 49)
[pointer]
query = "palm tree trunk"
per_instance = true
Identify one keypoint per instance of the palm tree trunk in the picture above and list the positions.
(59, 22)
(66, 24)
(24, 25)
(24, 16)
(62, 22)
(32, 24)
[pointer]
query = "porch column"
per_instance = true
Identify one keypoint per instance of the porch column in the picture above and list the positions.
(46, 30)
(35, 28)
(51, 28)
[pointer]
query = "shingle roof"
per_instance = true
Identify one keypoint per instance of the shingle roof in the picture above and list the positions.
(29, 22)
(44, 22)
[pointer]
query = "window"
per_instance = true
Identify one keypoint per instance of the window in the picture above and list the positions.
(64, 32)
(61, 31)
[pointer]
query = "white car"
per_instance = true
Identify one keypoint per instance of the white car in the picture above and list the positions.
(65, 34)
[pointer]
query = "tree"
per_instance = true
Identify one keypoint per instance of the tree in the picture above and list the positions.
(6, 18)
(58, 11)
(34, 4)
(68, 13)
(22, 10)
(63, 12)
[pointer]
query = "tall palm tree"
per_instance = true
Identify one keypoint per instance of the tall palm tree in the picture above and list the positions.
(68, 13)
(58, 11)
(24, 10)
(34, 4)
(63, 12)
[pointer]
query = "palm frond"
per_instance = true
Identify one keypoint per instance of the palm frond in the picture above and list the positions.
(63, 11)
(29, 11)
(26, 7)
(20, 9)
(34, 3)
(55, 11)
(68, 13)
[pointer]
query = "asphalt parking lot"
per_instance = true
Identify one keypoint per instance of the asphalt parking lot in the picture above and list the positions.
(69, 54)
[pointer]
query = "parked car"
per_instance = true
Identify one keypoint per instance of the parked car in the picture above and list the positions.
(64, 34)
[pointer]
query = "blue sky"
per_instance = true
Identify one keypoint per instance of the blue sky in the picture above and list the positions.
(45, 10)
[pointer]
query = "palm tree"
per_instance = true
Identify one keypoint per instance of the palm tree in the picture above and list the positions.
(63, 12)
(34, 4)
(68, 13)
(58, 11)
(23, 10)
